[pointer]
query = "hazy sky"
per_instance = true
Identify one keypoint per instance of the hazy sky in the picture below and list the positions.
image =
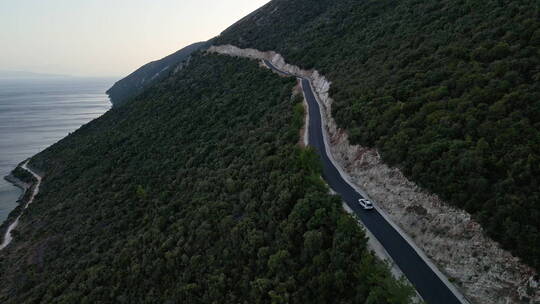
(107, 37)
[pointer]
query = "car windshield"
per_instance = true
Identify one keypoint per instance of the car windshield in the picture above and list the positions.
(368, 203)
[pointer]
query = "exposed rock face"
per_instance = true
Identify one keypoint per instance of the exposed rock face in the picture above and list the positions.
(483, 271)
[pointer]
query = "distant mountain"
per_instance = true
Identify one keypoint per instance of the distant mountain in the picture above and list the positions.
(27, 75)
(148, 74)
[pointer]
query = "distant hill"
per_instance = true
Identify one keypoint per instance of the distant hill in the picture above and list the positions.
(148, 74)
(27, 75)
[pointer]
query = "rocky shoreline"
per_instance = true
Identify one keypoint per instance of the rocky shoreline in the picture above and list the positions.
(22, 200)
(18, 183)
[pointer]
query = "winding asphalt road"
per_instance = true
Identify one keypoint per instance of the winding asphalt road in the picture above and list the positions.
(432, 289)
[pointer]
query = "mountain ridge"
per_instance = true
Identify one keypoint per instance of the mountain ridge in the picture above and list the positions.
(149, 74)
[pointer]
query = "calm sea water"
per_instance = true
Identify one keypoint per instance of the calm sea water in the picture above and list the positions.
(35, 114)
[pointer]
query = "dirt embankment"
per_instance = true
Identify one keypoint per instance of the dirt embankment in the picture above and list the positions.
(450, 237)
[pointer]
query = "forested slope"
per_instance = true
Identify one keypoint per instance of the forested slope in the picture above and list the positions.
(194, 192)
(449, 91)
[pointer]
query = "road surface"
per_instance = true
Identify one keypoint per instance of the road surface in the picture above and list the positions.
(428, 284)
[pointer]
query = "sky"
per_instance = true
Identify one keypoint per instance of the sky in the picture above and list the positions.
(107, 37)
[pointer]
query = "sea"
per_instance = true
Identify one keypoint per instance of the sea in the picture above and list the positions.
(36, 113)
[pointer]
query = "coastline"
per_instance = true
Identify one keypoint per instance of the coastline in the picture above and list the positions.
(64, 105)
(12, 179)
(26, 190)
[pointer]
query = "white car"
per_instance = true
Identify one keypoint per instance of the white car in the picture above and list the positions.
(366, 204)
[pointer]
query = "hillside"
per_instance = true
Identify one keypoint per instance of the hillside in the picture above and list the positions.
(448, 91)
(195, 193)
(198, 191)
(149, 74)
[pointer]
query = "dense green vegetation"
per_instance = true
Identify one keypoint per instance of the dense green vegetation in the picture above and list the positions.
(194, 192)
(447, 90)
